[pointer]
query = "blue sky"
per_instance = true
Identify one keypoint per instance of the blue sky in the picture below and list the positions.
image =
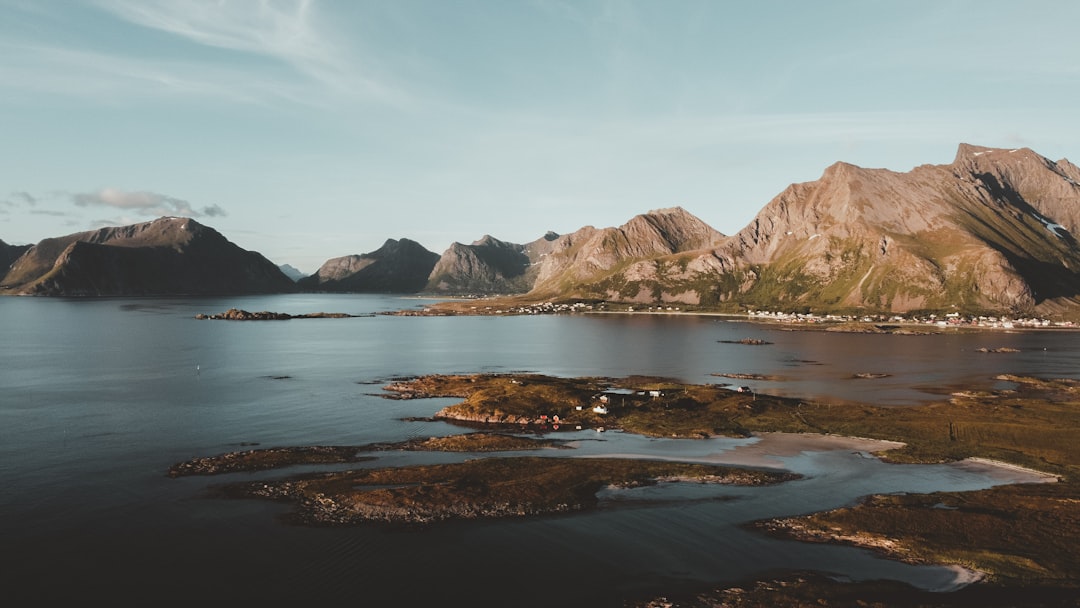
(307, 130)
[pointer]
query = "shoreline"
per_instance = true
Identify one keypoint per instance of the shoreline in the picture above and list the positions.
(773, 444)
(902, 327)
(1033, 475)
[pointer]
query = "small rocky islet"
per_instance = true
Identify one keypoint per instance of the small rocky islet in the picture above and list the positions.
(1022, 537)
(238, 314)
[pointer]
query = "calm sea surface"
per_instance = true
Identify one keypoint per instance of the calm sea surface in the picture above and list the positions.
(99, 397)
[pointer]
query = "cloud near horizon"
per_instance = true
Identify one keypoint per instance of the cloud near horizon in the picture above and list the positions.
(144, 203)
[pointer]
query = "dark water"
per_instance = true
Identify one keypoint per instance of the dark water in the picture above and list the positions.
(99, 397)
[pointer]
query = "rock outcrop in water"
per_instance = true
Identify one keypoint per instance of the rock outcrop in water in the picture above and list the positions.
(237, 314)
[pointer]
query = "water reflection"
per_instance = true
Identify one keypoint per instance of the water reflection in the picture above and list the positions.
(102, 396)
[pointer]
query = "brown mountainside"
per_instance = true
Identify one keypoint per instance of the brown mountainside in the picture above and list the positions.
(991, 231)
(165, 256)
(589, 253)
(399, 266)
(546, 266)
(8, 255)
(489, 266)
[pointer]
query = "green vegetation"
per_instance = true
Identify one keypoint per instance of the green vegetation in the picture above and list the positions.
(1032, 425)
(1023, 536)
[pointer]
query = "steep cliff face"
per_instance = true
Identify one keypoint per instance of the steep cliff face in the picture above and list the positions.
(168, 256)
(982, 233)
(488, 266)
(399, 266)
(8, 255)
(991, 231)
(588, 255)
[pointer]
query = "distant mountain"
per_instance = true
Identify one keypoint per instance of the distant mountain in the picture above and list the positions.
(489, 266)
(992, 231)
(399, 266)
(587, 260)
(553, 264)
(168, 256)
(291, 272)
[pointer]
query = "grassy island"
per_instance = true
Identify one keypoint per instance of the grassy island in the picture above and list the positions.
(1024, 538)
(1021, 536)
(482, 488)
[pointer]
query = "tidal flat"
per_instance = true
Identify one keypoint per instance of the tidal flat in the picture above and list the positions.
(1018, 541)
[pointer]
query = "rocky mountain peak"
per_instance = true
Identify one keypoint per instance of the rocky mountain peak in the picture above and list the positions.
(1022, 176)
(171, 255)
(489, 241)
(399, 266)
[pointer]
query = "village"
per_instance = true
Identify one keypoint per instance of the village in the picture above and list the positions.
(926, 320)
(952, 319)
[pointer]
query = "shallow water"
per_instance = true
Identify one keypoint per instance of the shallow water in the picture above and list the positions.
(101, 396)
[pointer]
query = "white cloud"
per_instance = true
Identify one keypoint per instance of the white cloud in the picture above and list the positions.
(144, 203)
(260, 53)
(288, 32)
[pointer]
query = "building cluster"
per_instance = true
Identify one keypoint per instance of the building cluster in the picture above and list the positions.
(543, 308)
(952, 319)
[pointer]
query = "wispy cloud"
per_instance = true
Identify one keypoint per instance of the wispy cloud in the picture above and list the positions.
(290, 32)
(262, 53)
(16, 200)
(144, 203)
(25, 198)
(29, 69)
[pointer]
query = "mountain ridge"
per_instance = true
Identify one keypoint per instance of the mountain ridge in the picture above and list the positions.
(978, 234)
(991, 231)
(399, 266)
(166, 256)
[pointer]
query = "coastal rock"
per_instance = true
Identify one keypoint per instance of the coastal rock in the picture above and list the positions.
(236, 314)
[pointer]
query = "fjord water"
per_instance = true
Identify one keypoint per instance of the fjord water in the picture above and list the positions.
(99, 397)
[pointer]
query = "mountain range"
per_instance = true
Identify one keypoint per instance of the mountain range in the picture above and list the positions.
(990, 232)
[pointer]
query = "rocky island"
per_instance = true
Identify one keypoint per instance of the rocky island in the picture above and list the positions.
(474, 489)
(1021, 538)
(236, 314)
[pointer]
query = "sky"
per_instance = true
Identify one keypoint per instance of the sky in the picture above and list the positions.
(309, 129)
